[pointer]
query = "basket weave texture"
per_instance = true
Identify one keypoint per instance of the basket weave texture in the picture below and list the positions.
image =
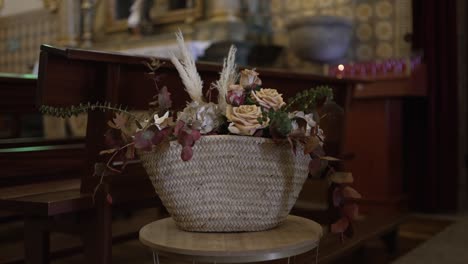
(231, 184)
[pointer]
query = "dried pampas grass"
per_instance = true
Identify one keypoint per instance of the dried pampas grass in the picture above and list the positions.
(188, 71)
(227, 77)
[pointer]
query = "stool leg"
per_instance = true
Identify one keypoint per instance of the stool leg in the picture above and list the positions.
(155, 258)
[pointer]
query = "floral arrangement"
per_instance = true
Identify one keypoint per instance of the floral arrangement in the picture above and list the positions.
(243, 107)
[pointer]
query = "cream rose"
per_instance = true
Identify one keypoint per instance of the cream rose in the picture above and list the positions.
(244, 119)
(249, 78)
(269, 98)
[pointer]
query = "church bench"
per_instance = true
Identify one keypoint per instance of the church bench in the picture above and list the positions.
(97, 76)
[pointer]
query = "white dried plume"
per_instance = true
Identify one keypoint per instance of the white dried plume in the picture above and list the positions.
(227, 76)
(188, 71)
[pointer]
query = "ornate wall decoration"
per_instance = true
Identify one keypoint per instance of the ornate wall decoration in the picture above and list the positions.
(21, 36)
(52, 5)
(162, 12)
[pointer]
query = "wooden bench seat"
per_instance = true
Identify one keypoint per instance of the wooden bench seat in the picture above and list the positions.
(48, 199)
(117, 79)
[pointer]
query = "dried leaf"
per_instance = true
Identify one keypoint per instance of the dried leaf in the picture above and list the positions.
(107, 151)
(311, 144)
(185, 139)
(99, 168)
(341, 177)
(130, 153)
(120, 120)
(179, 125)
(109, 198)
(292, 142)
(328, 158)
(143, 140)
(187, 153)
(164, 99)
(338, 198)
(349, 192)
(314, 166)
(195, 134)
(350, 211)
(340, 226)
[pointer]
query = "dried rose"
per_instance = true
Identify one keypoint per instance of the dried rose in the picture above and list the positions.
(269, 98)
(244, 119)
(204, 117)
(249, 78)
(235, 95)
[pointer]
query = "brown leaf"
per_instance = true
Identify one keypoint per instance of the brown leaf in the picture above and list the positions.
(107, 151)
(130, 153)
(311, 144)
(292, 142)
(109, 198)
(329, 158)
(338, 198)
(350, 211)
(349, 192)
(342, 177)
(314, 166)
(120, 120)
(340, 226)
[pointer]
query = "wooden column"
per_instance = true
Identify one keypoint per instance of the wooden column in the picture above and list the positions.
(375, 135)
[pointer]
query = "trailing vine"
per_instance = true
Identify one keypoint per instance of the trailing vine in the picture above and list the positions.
(70, 111)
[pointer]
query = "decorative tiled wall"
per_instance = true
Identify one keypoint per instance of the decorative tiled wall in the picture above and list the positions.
(21, 36)
(380, 26)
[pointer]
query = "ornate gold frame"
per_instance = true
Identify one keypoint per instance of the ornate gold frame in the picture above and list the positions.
(51, 5)
(115, 25)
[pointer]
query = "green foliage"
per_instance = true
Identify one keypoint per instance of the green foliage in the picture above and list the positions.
(308, 100)
(280, 122)
(82, 108)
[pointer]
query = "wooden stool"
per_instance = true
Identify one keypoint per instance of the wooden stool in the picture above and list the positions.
(295, 236)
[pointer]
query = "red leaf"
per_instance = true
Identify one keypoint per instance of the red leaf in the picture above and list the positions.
(195, 134)
(350, 211)
(187, 153)
(161, 135)
(349, 192)
(292, 142)
(109, 198)
(179, 125)
(143, 140)
(338, 198)
(185, 139)
(341, 177)
(340, 226)
(311, 144)
(314, 166)
(164, 99)
(258, 133)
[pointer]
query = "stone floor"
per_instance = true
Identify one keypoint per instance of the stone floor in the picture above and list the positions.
(448, 247)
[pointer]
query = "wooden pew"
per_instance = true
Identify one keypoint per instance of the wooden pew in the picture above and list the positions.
(72, 76)
(30, 164)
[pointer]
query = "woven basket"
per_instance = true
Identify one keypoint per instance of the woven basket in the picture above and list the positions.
(232, 183)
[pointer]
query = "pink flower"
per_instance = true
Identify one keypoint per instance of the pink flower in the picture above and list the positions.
(235, 95)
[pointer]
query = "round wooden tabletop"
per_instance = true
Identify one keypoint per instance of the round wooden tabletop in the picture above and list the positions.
(295, 236)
